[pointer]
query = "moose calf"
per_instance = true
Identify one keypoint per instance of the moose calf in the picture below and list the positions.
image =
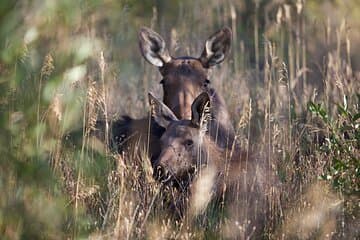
(189, 155)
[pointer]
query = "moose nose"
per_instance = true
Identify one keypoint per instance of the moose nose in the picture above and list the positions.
(181, 104)
(161, 174)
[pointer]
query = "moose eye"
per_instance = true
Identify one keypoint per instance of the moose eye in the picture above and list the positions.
(189, 143)
(162, 81)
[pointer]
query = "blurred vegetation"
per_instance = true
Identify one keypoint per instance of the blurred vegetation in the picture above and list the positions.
(341, 144)
(65, 63)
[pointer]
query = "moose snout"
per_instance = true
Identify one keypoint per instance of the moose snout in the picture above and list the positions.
(181, 104)
(161, 173)
(162, 168)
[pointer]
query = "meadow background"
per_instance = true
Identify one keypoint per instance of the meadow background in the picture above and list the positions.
(291, 85)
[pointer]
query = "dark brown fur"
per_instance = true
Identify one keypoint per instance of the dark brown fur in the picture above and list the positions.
(183, 79)
(187, 154)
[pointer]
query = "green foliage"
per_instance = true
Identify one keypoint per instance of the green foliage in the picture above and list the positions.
(342, 144)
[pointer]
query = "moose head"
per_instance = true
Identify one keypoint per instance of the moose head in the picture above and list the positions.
(184, 78)
(184, 146)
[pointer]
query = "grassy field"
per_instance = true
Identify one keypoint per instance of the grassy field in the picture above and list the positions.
(291, 85)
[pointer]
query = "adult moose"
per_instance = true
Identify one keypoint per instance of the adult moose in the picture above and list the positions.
(188, 155)
(183, 79)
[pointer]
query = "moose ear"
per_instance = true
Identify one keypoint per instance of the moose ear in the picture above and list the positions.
(160, 112)
(153, 48)
(216, 48)
(200, 111)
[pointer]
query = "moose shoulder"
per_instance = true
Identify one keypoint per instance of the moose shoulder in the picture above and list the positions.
(188, 154)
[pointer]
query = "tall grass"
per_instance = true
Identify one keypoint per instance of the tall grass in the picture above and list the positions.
(291, 86)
